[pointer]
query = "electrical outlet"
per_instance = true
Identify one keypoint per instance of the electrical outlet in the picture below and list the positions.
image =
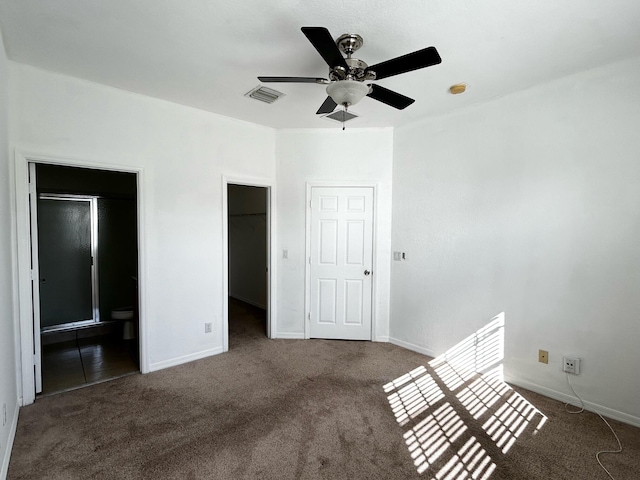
(207, 327)
(571, 365)
(543, 356)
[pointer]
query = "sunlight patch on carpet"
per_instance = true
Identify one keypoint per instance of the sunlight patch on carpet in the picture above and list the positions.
(459, 411)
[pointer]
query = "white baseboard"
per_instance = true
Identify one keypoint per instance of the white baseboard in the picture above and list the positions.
(290, 335)
(250, 302)
(567, 398)
(382, 339)
(184, 359)
(4, 468)
(412, 346)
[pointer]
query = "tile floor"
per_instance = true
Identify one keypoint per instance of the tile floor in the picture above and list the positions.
(83, 361)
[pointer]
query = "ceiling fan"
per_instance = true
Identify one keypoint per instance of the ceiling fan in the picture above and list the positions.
(347, 76)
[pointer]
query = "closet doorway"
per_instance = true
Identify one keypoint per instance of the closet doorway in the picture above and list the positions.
(248, 263)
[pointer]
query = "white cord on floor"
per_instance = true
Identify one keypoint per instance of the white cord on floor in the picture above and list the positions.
(566, 406)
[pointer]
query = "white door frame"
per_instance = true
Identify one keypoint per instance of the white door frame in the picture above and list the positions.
(374, 251)
(25, 331)
(271, 252)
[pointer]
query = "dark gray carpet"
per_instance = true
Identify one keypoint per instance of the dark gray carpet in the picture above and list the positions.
(288, 409)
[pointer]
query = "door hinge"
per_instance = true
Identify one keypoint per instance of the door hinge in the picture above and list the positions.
(35, 359)
(31, 274)
(309, 260)
(309, 316)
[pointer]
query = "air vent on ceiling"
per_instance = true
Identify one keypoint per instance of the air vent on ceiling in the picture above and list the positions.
(264, 94)
(341, 116)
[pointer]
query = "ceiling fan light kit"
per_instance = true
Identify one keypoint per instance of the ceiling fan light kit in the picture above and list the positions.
(347, 92)
(347, 75)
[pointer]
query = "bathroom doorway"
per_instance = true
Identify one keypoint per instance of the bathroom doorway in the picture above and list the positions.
(84, 250)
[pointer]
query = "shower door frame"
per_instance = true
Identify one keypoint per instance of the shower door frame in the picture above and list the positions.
(95, 310)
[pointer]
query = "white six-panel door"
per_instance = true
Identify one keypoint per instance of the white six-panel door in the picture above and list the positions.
(341, 262)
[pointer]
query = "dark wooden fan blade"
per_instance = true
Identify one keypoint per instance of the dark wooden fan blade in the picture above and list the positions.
(412, 61)
(321, 39)
(327, 106)
(390, 97)
(293, 79)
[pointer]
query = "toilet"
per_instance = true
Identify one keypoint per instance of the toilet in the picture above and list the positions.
(125, 314)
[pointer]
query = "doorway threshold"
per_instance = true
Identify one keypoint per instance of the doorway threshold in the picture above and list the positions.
(84, 385)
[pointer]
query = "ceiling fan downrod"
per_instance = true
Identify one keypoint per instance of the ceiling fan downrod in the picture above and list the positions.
(356, 68)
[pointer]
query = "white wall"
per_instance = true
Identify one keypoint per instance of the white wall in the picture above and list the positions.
(329, 155)
(8, 384)
(529, 205)
(183, 153)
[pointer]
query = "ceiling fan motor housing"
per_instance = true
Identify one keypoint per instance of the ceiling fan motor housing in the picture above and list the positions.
(357, 71)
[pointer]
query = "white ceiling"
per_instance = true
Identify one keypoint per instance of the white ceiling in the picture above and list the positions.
(208, 53)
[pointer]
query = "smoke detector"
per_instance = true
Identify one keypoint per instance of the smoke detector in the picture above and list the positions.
(458, 88)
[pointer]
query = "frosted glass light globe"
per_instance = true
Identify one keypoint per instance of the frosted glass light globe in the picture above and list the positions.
(347, 91)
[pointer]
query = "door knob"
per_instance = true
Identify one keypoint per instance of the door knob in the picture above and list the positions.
(367, 272)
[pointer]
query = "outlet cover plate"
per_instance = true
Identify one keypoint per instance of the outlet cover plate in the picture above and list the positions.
(571, 364)
(543, 356)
